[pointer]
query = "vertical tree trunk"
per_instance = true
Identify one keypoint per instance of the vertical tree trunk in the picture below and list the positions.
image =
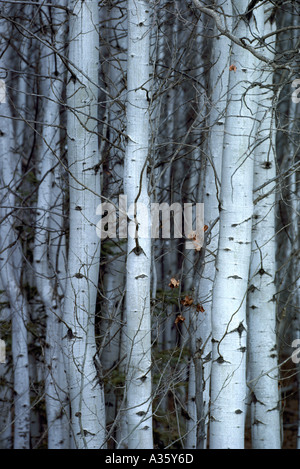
(218, 87)
(114, 273)
(228, 380)
(45, 258)
(138, 379)
(11, 266)
(292, 201)
(84, 369)
(262, 340)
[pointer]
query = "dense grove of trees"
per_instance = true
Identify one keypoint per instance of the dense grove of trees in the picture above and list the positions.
(115, 334)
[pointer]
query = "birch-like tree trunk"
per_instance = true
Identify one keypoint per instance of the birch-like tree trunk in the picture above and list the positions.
(84, 369)
(218, 87)
(293, 280)
(138, 379)
(228, 380)
(11, 261)
(112, 311)
(262, 342)
(48, 249)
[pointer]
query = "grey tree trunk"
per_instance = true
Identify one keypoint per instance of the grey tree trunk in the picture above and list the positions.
(83, 367)
(138, 332)
(228, 379)
(11, 261)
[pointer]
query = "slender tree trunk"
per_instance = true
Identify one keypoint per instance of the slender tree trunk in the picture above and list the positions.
(114, 274)
(84, 369)
(10, 269)
(262, 340)
(138, 379)
(293, 203)
(45, 259)
(218, 87)
(228, 380)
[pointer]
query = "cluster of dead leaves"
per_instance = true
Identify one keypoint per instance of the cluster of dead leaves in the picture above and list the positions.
(179, 319)
(174, 283)
(188, 301)
(199, 308)
(232, 68)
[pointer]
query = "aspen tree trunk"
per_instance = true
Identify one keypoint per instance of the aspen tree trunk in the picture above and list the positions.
(293, 203)
(138, 379)
(262, 342)
(11, 266)
(195, 423)
(45, 259)
(169, 246)
(295, 196)
(228, 380)
(112, 319)
(218, 87)
(29, 52)
(84, 369)
(158, 44)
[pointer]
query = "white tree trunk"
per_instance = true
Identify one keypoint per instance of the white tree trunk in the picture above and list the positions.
(46, 250)
(218, 83)
(265, 418)
(138, 379)
(114, 274)
(84, 369)
(293, 203)
(10, 269)
(228, 380)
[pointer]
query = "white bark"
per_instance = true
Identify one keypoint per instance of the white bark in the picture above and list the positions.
(295, 195)
(138, 379)
(228, 380)
(46, 250)
(293, 201)
(262, 341)
(218, 83)
(10, 268)
(84, 369)
(114, 274)
(11, 263)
